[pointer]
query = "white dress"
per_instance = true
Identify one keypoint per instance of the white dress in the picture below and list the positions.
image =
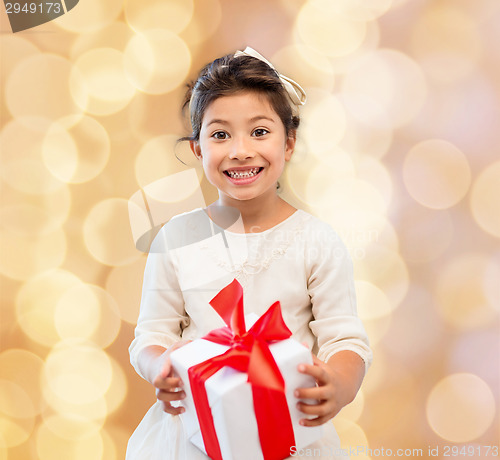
(301, 262)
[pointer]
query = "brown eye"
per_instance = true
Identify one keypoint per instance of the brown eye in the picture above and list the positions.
(260, 132)
(220, 135)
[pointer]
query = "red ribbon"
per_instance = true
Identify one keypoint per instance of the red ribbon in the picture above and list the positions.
(249, 352)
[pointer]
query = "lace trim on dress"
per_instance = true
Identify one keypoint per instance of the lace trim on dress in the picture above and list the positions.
(248, 267)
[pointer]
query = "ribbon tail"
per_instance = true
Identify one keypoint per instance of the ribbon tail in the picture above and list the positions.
(197, 376)
(262, 368)
(273, 422)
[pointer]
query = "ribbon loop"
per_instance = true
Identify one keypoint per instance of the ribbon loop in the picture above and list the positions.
(294, 90)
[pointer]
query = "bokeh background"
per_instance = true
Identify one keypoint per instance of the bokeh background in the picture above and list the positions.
(398, 150)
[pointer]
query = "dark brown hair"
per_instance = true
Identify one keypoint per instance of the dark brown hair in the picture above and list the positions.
(229, 75)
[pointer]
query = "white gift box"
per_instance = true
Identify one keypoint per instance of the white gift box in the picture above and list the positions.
(231, 401)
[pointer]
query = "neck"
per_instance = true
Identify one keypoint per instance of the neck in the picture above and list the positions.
(258, 214)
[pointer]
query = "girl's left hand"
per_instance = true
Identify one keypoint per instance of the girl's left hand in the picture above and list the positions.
(333, 392)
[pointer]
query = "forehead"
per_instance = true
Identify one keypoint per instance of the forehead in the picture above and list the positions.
(240, 105)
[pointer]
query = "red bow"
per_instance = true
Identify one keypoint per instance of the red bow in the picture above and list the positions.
(249, 352)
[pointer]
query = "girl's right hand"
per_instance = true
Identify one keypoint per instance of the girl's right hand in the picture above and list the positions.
(168, 386)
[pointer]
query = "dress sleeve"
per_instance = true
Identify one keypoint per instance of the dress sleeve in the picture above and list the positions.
(335, 323)
(162, 316)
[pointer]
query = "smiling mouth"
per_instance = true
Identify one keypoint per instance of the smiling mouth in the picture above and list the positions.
(233, 174)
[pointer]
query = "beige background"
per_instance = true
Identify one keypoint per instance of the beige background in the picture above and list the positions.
(398, 150)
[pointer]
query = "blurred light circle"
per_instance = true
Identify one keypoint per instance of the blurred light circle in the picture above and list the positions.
(71, 427)
(117, 391)
(124, 284)
(390, 73)
(466, 349)
(350, 196)
(447, 43)
(59, 152)
(424, 233)
(359, 10)
(324, 121)
(36, 303)
(171, 15)
(95, 411)
(490, 281)
(308, 178)
(14, 431)
(50, 446)
(156, 160)
(377, 376)
(436, 174)
(31, 215)
(39, 87)
(109, 325)
(87, 312)
(368, 128)
(109, 446)
(77, 313)
(308, 67)
(372, 302)
(14, 401)
(375, 173)
(345, 64)
(24, 256)
(416, 329)
(91, 16)
(14, 49)
(157, 61)
(460, 292)
(107, 234)
(108, 88)
(78, 372)
(115, 35)
(484, 199)
(21, 156)
(76, 150)
(460, 408)
(321, 26)
(385, 268)
(351, 434)
(23, 368)
(27, 219)
(199, 29)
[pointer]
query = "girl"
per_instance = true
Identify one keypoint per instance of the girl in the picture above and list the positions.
(244, 118)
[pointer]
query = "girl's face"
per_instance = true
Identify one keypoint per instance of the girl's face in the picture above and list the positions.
(243, 147)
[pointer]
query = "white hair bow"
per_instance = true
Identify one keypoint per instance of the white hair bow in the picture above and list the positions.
(294, 90)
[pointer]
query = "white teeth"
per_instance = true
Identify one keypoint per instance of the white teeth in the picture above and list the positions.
(243, 174)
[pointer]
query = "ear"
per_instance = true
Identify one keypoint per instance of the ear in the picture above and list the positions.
(290, 146)
(195, 147)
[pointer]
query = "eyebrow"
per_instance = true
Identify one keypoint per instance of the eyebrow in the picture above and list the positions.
(252, 120)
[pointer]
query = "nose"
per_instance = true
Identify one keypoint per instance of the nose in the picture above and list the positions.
(241, 149)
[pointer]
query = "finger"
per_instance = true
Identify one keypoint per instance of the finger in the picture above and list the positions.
(169, 396)
(316, 371)
(318, 393)
(169, 383)
(319, 409)
(315, 421)
(167, 407)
